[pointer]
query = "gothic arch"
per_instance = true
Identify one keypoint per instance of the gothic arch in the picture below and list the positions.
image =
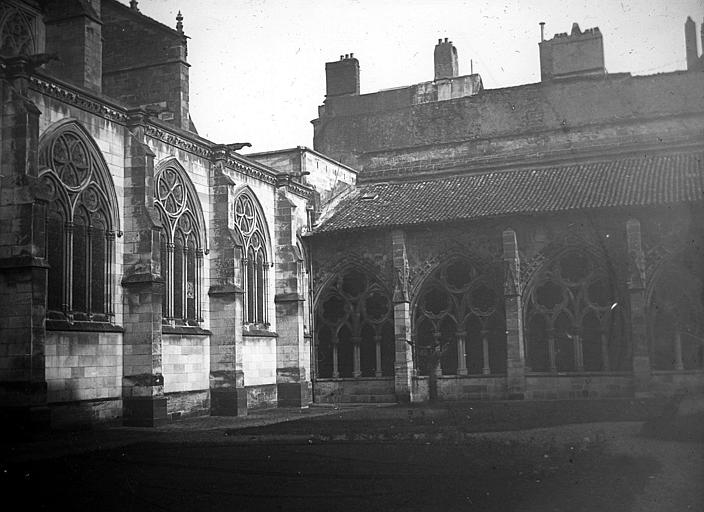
(82, 222)
(351, 261)
(354, 330)
(183, 243)
(77, 181)
(16, 32)
(253, 239)
(169, 177)
(458, 319)
(675, 306)
(573, 313)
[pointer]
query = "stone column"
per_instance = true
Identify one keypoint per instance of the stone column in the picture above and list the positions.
(23, 267)
(378, 372)
(403, 355)
(228, 395)
(461, 353)
(552, 352)
(636, 292)
(293, 384)
(578, 351)
(486, 368)
(513, 306)
(356, 356)
(144, 403)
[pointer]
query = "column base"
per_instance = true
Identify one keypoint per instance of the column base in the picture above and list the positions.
(144, 411)
(294, 394)
(228, 402)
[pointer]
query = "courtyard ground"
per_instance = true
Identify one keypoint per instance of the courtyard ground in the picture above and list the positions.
(456, 457)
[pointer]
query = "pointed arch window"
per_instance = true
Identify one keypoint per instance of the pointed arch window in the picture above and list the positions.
(459, 322)
(16, 32)
(354, 328)
(182, 245)
(80, 226)
(573, 322)
(255, 267)
(676, 313)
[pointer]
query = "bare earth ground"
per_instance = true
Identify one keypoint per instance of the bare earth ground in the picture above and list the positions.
(411, 466)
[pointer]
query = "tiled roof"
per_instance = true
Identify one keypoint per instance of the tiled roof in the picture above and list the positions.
(635, 181)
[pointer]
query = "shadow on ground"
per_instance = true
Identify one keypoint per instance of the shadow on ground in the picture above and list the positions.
(487, 475)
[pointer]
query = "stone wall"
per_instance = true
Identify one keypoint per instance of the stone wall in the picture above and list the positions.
(363, 390)
(144, 63)
(540, 239)
(526, 121)
(84, 376)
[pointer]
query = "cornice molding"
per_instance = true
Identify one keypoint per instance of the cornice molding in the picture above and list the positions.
(77, 98)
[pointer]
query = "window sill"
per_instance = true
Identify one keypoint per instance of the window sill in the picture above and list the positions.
(185, 329)
(258, 329)
(82, 326)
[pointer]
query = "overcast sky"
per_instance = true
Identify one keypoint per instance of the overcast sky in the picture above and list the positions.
(258, 66)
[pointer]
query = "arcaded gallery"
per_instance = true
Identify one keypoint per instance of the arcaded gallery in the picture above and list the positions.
(440, 241)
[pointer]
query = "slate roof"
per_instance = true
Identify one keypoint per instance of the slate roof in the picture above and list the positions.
(633, 181)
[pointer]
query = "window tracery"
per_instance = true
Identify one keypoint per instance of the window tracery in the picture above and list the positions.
(181, 246)
(250, 226)
(573, 320)
(354, 328)
(676, 314)
(80, 226)
(459, 322)
(16, 34)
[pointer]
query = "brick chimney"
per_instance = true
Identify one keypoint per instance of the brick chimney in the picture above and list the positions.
(578, 54)
(445, 60)
(342, 76)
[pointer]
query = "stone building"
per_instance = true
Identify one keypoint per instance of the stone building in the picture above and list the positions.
(540, 241)
(146, 273)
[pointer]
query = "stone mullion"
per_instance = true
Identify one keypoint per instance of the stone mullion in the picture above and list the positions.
(356, 356)
(68, 267)
(184, 281)
(377, 345)
(486, 369)
(245, 288)
(578, 351)
(461, 353)
(88, 258)
(109, 272)
(679, 365)
(436, 358)
(335, 365)
(197, 285)
(551, 347)
(169, 284)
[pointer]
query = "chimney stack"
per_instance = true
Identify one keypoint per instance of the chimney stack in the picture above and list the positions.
(690, 43)
(445, 60)
(577, 54)
(342, 76)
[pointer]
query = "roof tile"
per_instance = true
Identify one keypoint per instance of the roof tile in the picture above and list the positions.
(634, 181)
